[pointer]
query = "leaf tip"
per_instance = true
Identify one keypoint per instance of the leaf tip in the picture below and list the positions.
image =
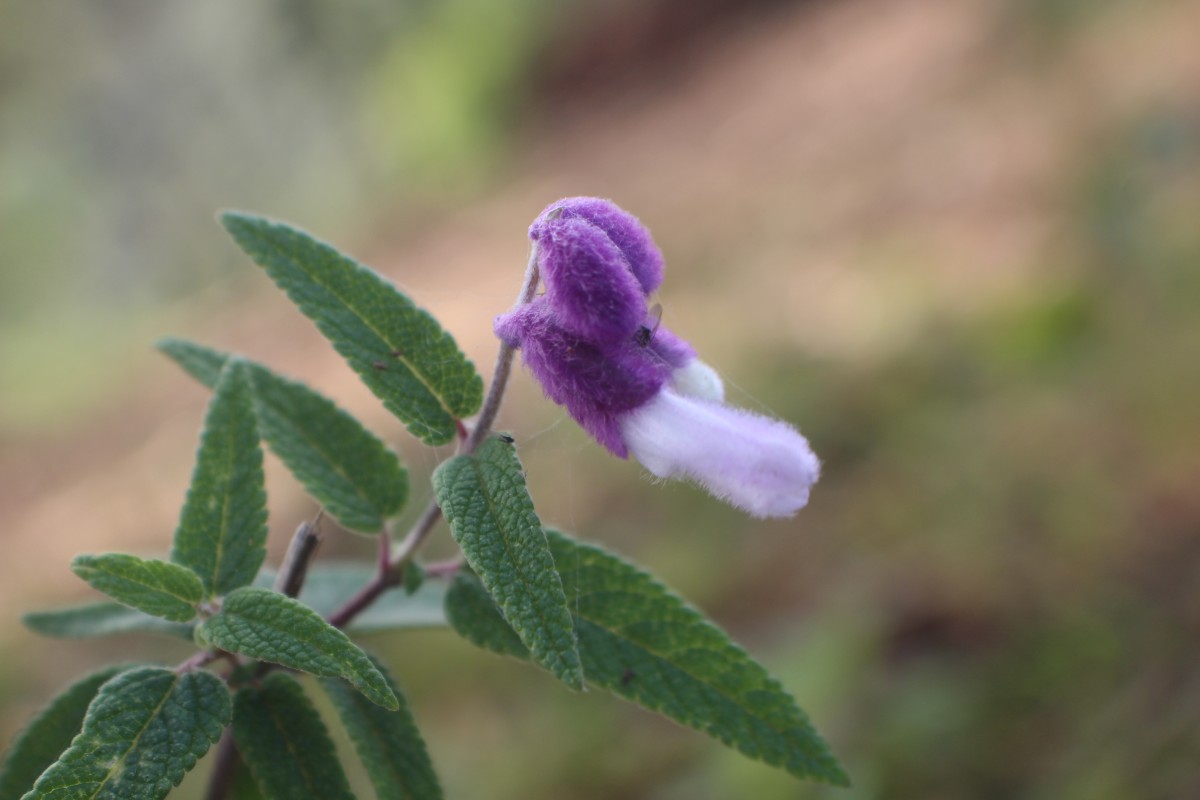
(831, 772)
(165, 344)
(381, 695)
(231, 218)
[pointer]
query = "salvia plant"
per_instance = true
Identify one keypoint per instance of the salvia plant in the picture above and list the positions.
(268, 639)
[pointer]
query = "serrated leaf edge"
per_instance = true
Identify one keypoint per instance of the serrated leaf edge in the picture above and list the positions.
(151, 587)
(350, 675)
(248, 219)
(570, 660)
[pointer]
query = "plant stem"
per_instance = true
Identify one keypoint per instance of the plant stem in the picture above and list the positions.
(304, 546)
(444, 569)
(504, 359)
(223, 768)
(425, 524)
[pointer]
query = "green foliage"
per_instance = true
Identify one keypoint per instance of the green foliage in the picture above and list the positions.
(285, 744)
(100, 619)
(155, 587)
(242, 785)
(144, 728)
(223, 528)
(401, 353)
(483, 496)
(202, 363)
(414, 577)
(472, 612)
(388, 742)
(640, 641)
(343, 466)
(143, 732)
(49, 734)
(268, 626)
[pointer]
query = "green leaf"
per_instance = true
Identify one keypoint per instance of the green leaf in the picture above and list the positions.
(330, 584)
(49, 733)
(285, 744)
(143, 732)
(154, 587)
(645, 644)
(491, 515)
(100, 619)
(202, 363)
(268, 626)
(242, 785)
(414, 577)
(472, 612)
(399, 350)
(223, 528)
(354, 475)
(388, 742)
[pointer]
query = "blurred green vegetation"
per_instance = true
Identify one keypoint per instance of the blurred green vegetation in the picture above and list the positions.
(993, 592)
(123, 127)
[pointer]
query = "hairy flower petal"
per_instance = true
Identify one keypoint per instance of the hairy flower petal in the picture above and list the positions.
(760, 465)
(697, 379)
(588, 281)
(596, 382)
(624, 229)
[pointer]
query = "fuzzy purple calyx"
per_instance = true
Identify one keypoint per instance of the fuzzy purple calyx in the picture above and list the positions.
(597, 381)
(623, 229)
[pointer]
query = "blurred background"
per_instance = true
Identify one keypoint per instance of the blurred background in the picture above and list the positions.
(956, 242)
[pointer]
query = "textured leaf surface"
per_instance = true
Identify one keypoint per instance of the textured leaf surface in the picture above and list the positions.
(353, 474)
(330, 585)
(472, 612)
(223, 527)
(388, 742)
(100, 619)
(268, 626)
(399, 350)
(491, 515)
(49, 734)
(154, 587)
(285, 744)
(645, 644)
(144, 731)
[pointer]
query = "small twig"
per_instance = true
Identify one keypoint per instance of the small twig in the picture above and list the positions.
(444, 569)
(300, 552)
(416, 536)
(203, 658)
(225, 765)
(504, 359)
(390, 572)
(385, 550)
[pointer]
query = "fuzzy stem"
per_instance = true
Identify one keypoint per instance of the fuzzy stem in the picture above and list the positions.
(504, 359)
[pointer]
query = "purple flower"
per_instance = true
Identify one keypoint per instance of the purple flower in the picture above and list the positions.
(595, 347)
